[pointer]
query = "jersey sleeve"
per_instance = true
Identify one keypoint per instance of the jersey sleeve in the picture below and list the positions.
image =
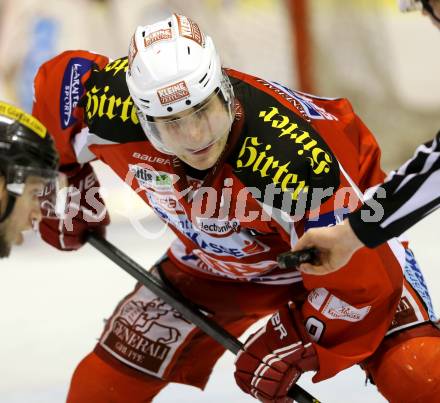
(407, 195)
(58, 88)
(370, 171)
(304, 159)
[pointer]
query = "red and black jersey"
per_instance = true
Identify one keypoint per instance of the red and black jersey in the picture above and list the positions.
(293, 161)
(287, 156)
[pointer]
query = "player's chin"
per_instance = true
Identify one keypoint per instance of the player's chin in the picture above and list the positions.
(204, 164)
(204, 160)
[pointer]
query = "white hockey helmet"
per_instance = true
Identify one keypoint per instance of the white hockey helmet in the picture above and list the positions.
(173, 66)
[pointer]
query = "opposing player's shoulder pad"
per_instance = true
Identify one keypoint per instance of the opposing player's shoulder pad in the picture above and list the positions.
(280, 154)
(62, 79)
(109, 111)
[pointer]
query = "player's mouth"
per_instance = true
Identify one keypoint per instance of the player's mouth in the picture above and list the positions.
(202, 151)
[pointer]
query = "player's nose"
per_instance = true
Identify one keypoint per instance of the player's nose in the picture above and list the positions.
(194, 135)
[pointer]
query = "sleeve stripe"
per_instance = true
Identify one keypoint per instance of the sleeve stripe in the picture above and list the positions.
(412, 192)
(428, 166)
(416, 197)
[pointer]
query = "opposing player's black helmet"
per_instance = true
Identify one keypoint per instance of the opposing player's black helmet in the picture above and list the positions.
(24, 142)
(26, 150)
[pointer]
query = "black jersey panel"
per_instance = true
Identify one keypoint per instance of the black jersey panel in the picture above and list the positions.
(110, 112)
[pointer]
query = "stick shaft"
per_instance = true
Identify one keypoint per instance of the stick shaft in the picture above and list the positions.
(188, 310)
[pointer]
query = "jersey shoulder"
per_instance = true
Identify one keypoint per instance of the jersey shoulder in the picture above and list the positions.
(109, 110)
(279, 151)
(59, 85)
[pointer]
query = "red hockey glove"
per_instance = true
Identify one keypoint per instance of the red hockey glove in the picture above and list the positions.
(274, 357)
(85, 212)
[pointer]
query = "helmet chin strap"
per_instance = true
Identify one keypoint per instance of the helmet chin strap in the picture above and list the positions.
(10, 203)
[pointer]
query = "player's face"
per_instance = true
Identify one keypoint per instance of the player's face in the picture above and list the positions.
(197, 136)
(26, 211)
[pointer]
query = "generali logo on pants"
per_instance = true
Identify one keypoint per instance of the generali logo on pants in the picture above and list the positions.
(173, 93)
(146, 333)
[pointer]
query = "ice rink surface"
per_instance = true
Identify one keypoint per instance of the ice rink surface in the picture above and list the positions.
(53, 305)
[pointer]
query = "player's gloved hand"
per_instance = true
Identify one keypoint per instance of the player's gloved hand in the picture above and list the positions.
(85, 212)
(274, 357)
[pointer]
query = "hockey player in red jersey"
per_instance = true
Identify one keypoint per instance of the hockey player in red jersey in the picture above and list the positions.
(238, 167)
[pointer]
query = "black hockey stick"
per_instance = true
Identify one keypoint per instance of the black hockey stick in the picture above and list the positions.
(290, 260)
(188, 310)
